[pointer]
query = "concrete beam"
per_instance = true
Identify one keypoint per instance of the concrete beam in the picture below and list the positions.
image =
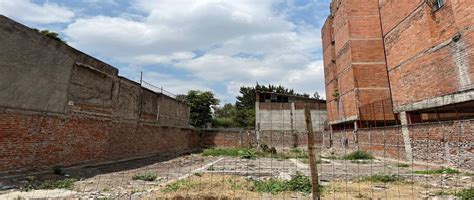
(347, 119)
(437, 101)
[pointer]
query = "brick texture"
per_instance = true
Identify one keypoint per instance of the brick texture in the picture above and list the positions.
(447, 143)
(34, 141)
(429, 52)
(359, 70)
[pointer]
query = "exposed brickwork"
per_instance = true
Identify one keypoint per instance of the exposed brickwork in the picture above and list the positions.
(447, 143)
(33, 141)
(439, 64)
(228, 138)
(358, 69)
(427, 52)
(71, 109)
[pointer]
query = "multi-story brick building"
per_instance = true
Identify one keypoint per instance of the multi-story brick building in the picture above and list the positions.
(391, 60)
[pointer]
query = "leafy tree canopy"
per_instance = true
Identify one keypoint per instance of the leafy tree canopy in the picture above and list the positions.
(200, 103)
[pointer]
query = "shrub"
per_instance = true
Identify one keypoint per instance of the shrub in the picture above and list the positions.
(145, 177)
(359, 155)
(300, 183)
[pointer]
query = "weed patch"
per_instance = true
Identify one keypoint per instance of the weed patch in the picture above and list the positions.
(33, 184)
(402, 165)
(438, 171)
(149, 176)
(383, 178)
(466, 194)
(297, 183)
(173, 187)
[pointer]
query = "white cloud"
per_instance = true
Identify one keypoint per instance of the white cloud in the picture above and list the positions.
(241, 42)
(27, 11)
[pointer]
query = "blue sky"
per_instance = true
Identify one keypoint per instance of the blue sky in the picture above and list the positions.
(216, 45)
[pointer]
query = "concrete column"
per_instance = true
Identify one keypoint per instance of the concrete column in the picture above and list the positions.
(406, 137)
(292, 124)
(257, 122)
(355, 136)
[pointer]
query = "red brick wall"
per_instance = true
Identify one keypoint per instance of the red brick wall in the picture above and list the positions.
(228, 138)
(360, 61)
(423, 60)
(33, 141)
(447, 143)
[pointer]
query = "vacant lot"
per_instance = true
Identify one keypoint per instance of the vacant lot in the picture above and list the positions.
(245, 174)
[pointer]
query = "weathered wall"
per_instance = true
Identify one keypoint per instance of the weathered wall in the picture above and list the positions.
(35, 141)
(228, 138)
(59, 106)
(430, 53)
(446, 143)
(280, 116)
(250, 138)
(34, 70)
(354, 62)
(41, 74)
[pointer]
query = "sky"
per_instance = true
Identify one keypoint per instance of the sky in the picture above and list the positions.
(209, 45)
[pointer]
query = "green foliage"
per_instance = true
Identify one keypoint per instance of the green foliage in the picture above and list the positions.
(248, 154)
(297, 183)
(50, 34)
(149, 176)
(233, 152)
(466, 194)
(402, 165)
(358, 155)
(223, 122)
(244, 153)
(200, 103)
(382, 178)
(438, 171)
(175, 186)
(33, 184)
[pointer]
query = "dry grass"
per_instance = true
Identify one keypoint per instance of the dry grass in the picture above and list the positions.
(371, 190)
(216, 186)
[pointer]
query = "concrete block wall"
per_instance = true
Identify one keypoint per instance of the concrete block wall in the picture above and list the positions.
(59, 106)
(289, 116)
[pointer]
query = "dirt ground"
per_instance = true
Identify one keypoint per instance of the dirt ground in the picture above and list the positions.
(228, 178)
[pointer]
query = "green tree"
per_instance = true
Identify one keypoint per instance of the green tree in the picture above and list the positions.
(200, 103)
(224, 116)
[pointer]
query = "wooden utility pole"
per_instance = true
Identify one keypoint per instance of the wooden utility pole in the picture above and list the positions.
(312, 157)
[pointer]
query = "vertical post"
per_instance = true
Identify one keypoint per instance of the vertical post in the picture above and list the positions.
(141, 78)
(312, 156)
(292, 121)
(406, 136)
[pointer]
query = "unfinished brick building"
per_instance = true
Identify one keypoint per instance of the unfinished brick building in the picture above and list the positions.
(396, 61)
